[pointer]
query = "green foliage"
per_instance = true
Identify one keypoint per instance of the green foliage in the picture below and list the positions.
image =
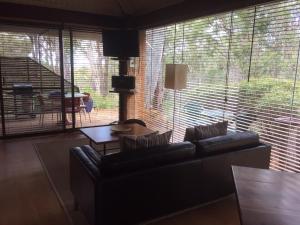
(82, 76)
(263, 93)
(84, 81)
(11, 42)
(103, 102)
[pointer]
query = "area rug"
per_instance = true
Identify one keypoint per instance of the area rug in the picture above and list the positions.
(54, 157)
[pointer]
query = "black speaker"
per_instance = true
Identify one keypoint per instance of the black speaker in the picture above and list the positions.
(123, 82)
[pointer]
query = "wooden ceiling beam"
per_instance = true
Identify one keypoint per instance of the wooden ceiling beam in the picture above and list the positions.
(189, 9)
(23, 13)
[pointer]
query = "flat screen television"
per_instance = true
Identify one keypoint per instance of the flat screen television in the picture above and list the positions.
(120, 43)
(123, 82)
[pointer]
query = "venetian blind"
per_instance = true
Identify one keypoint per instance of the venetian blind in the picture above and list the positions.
(243, 67)
(92, 75)
(274, 81)
(30, 70)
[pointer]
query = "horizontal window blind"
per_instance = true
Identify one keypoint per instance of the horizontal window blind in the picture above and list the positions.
(30, 70)
(36, 98)
(158, 101)
(243, 68)
(92, 76)
(274, 72)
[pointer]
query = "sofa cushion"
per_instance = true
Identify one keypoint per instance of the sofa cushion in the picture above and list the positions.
(132, 142)
(189, 134)
(230, 142)
(130, 161)
(212, 130)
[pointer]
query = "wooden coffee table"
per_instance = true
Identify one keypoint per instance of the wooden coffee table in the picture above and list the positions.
(267, 197)
(104, 134)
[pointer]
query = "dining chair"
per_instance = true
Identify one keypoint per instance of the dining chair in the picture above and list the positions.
(46, 107)
(77, 107)
(88, 104)
(54, 98)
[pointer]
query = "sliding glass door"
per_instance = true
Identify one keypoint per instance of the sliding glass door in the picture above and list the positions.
(53, 80)
(92, 78)
(30, 73)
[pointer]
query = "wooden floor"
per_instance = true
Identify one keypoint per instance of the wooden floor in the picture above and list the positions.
(52, 121)
(27, 198)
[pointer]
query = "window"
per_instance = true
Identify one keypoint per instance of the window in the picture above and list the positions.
(92, 75)
(30, 70)
(243, 67)
(39, 67)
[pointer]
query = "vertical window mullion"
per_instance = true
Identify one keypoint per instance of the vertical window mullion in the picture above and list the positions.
(1, 102)
(62, 83)
(72, 77)
(252, 41)
(228, 64)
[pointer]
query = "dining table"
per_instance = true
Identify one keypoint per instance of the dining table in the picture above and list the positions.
(76, 95)
(55, 99)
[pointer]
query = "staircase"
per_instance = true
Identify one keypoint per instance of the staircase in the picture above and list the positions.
(26, 70)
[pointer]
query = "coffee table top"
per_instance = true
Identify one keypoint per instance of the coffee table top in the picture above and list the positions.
(267, 197)
(104, 134)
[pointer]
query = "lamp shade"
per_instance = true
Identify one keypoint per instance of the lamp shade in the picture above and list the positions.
(176, 76)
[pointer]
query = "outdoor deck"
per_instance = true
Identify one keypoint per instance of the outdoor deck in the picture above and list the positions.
(53, 121)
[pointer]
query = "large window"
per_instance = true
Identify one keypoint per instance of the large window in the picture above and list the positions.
(243, 67)
(39, 70)
(29, 69)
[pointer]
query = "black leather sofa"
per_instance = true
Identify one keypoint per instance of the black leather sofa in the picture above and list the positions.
(131, 187)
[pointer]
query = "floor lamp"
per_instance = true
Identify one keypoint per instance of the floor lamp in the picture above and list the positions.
(175, 79)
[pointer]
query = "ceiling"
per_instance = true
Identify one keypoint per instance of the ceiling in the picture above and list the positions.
(114, 14)
(102, 7)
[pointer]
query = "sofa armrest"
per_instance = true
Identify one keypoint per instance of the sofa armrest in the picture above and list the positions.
(85, 180)
(89, 158)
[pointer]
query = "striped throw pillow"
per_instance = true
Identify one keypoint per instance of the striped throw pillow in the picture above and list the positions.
(157, 140)
(212, 130)
(131, 142)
